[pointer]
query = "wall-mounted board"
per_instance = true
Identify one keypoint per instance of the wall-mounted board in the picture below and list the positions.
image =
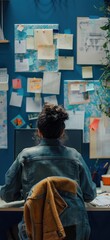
(27, 57)
(90, 40)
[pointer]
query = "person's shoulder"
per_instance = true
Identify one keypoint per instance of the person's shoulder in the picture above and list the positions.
(72, 152)
(28, 153)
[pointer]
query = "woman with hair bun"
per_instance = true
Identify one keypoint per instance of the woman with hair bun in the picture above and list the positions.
(52, 158)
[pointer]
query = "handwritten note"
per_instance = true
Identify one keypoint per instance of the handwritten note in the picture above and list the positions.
(34, 85)
(65, 41)
(87, 72)
(43, 37)
(20, 46)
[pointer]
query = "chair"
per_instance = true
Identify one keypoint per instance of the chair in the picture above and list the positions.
(44, 209)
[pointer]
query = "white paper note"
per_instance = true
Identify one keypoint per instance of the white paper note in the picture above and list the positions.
(51, 82)
(65, 63)
(65, 41)
(76, 120)
(34, 85)
(46, 52)
(33, 106)
(16, 100)
(20, 46)
(22, 65)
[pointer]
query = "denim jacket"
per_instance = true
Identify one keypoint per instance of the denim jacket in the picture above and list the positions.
(49, 158)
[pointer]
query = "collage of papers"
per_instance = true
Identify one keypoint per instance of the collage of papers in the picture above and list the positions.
(37, 48)
(43, 52)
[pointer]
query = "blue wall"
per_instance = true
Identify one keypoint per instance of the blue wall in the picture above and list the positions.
(63, 12)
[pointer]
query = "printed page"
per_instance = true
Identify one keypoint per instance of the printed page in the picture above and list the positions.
(51, 82)
(65, 63)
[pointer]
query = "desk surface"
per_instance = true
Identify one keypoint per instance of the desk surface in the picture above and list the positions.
(17, 206)
(11, 206)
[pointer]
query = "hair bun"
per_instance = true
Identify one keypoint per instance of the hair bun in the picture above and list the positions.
(55, 113)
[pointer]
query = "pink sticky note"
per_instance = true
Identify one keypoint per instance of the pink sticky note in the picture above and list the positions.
(16, 83)
(94, 124)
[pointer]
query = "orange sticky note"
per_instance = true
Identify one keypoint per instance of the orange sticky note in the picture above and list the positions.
(16, 83)
(94, 124)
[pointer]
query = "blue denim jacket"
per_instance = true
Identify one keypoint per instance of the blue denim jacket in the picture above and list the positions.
(49, 158)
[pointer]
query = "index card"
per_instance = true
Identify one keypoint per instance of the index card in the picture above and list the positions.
(34, 85)
(51, 99)
(65, 41)
(30, 43)
(65, 63)
(87, 72)
(16, 100)
(22, 65)
(46, 52)
(51, 82)
(43, 37)
(20, 46)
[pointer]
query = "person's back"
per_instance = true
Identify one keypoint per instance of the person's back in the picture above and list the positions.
(49, 158)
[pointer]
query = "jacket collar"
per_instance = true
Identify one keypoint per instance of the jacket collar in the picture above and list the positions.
(50, 142)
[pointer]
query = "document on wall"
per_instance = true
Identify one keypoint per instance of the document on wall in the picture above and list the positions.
(34, 85)
(87, 72)
(51, 82)
(22, 65)
(46, 52)
(76, 120)
(65, 41)
(65, 63)
(77, 94)
(16, 83)
(32, 105)
(16, 100)
(3, 119)
(51, 99)
(30, 43)
(20, 46)
(43, 37)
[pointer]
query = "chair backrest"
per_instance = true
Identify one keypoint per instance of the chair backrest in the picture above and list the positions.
(44, 206)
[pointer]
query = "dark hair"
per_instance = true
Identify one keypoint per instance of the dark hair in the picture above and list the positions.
(51, 120)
